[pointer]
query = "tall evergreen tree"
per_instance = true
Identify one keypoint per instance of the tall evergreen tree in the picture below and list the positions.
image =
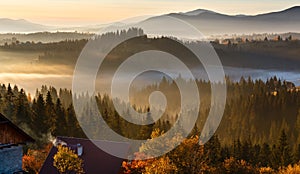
(265, 155)
(60, 123)
(39, 115)
(212, 150)
(9, 104)
(73, 127)
(146, 130)
(51, 116)
(22, 109)
(284, 153)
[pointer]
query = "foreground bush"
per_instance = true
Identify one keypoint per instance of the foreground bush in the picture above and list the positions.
(290, 169)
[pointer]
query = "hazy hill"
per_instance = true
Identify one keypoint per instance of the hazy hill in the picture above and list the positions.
(24, 26)
(208, 22)
(20, 25)
(212, 23)
(44, 37)
(291, 14)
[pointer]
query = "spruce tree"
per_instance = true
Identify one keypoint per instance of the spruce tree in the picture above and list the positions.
(51, 116)
(284, 153)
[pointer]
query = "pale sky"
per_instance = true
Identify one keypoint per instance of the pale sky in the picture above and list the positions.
(82, 12)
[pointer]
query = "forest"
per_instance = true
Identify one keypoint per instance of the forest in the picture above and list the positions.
(246, 52)
(259, 131)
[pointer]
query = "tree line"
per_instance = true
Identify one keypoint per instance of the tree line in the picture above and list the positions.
(260, 123)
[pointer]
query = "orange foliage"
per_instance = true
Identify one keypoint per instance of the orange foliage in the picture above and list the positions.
(135, 166)
(290, 169)
(34, 159)
(154, 165)
(232, 165)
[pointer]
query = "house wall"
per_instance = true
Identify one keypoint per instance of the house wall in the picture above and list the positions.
(11, 159)
(9, 135)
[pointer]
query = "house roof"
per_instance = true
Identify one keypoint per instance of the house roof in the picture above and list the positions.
(10, 134)
(95, 160)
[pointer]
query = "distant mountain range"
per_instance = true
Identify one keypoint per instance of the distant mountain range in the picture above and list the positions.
(212, 23)
(20, 25)
(208, 22)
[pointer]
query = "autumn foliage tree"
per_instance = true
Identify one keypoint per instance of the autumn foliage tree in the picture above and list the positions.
(290, 169)
(33, 160)
(66, 161)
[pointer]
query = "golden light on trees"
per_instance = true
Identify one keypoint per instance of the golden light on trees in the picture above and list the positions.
(66, 161)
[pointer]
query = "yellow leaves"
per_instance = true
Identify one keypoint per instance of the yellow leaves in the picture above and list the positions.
(65, 160)
(232, 165)
(136, 166)
(266, 170)
(156, 133)
(161, 166)
(157, 148)
(290, 169)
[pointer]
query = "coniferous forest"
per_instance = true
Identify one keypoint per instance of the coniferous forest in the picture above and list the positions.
(259, 130)
(150, 87)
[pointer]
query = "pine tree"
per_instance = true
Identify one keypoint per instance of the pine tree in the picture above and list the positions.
(22, 109)
(61, 123)
(51, 116)
(265, 155)
(298, 127)
(9, 104)
(213, 150)
(284, 153)
(297, 154)
(246, 151)
(237, 149)
(73, 127)
(39, 115)
(146, 130)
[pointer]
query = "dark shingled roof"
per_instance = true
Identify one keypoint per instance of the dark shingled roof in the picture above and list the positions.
(95, 160)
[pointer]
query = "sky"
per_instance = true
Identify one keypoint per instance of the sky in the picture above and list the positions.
(92, 12)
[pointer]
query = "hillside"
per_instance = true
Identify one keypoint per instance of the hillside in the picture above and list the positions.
(212, 23)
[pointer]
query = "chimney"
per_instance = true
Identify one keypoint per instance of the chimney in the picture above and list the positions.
(79, 149)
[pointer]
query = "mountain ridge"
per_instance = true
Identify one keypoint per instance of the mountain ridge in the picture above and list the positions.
(209, 22)
(213, 23)
(21, 25)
